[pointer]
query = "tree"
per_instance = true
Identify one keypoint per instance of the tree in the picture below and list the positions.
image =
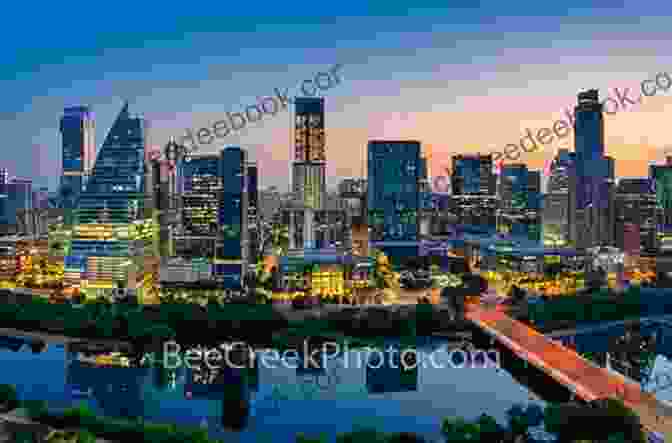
(8, 398)
(598, 421)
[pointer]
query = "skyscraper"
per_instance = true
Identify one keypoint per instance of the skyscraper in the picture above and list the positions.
(200, 193)
(112, 235)
(394, 171)
(474, 191)
(253, 209)
(591, 214)
(232, 242)
(309, 167)
(635, 207)
(77, 127)
(16, 195)
(661, 181)
(472, 175)
(520, 194)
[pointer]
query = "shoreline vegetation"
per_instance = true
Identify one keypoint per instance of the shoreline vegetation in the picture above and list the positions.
(146, 328)
(565, 313)
(609, 418)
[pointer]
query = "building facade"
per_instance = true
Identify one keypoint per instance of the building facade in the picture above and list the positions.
(201, 185)
(113, 234)
(591, 187)
(473, 175)
(77, 128)
(394, 172)
(232, 246)
(474, 191)
(519, 212)
(635, 211)
(309, 166)
(253, 210)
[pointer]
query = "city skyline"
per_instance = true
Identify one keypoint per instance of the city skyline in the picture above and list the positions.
(460, 80)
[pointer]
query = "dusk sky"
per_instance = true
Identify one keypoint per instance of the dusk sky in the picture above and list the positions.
(459, 79)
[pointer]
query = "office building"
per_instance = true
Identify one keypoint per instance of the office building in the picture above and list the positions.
(113, 234)
(473, 175)
(661, 178)
(635, 212)
(15, 196)
(77, 128)
(520, 202)
(393, 194)
(4, 176)
(309, 166)
(591, 184)
(232, 241)
(201, 185)
(474, 192)
(556, 200)
(253, 210)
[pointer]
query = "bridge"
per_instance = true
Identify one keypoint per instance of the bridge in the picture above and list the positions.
(584, 379)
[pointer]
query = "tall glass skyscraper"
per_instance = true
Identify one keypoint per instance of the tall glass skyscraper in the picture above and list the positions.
(591, 215)
(472, 175)
(394, 172)
(519, 194)
(201, 187)
(253, 209)
(77, 127)
(231, 249)
(110, 226)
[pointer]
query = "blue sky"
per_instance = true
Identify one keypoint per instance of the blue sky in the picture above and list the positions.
(439, 74)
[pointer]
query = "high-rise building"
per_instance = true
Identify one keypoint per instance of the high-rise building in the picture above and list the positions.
(201, 187)
(588, 127)
(472, 175)
(520, 201)
(556, 200)
(113, 234)
(661, 180)
(253, 209)
(4, 176)
(635, 207)
(558, 180)
(77, 127)
(309, 166)
(474, 191)
(591, 189)
(393, 192)
(232, 242)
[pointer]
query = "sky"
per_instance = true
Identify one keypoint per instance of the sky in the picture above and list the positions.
(464, 78)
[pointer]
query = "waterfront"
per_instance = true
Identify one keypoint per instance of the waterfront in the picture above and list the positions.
(282, 400)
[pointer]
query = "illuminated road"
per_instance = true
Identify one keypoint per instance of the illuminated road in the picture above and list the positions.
(586, 380)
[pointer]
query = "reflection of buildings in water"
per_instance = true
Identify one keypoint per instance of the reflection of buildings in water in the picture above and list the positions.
(385, 373)
(12, 343)
(117, 390)
(230, 386)
(235, 399)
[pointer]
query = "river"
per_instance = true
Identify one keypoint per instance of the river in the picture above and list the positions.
(282, 400)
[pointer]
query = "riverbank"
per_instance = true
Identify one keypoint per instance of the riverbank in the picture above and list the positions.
(144, 328)
(13, 423)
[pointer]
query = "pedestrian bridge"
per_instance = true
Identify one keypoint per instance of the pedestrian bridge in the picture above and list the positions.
(586, 380)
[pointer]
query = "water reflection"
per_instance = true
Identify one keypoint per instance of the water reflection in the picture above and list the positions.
(117, 391)
(273, 403)
(386, 373)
